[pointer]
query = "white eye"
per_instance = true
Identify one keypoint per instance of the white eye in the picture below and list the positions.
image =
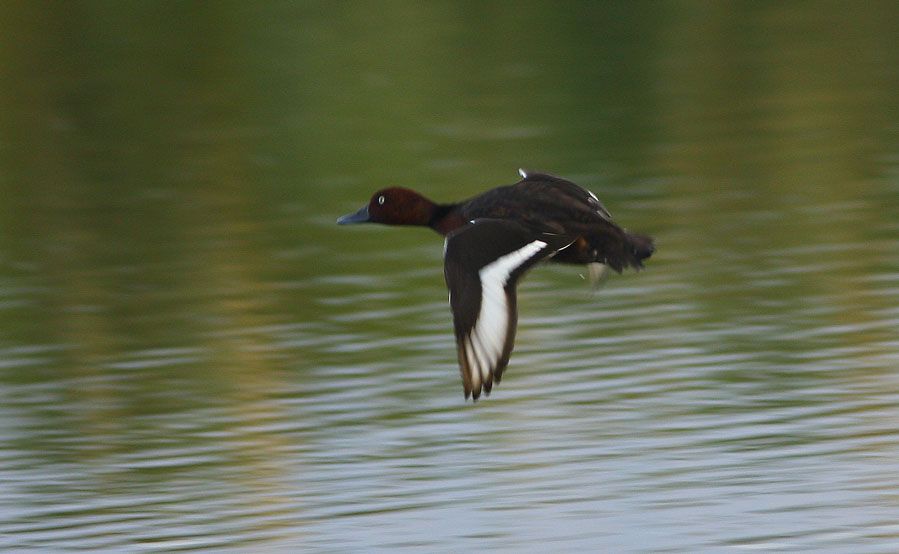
(381, 200)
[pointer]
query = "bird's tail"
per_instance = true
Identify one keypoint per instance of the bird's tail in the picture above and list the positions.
(637, 249)
(621, 250)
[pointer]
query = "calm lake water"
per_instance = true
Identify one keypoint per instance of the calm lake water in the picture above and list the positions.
(194, 357)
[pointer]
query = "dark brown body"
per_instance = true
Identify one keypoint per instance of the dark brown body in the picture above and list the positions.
(553, 205)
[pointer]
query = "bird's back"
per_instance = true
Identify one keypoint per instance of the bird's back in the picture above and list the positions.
(546, 203)
(542, 202)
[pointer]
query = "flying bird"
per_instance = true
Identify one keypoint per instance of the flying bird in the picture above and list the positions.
(491, 240)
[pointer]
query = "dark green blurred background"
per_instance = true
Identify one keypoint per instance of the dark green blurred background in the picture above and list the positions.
(193, 356)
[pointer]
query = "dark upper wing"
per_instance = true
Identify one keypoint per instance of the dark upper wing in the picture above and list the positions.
(543, 203)
(482, 264)
(578, 198)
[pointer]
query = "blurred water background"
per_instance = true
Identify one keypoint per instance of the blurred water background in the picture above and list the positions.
(193, 356)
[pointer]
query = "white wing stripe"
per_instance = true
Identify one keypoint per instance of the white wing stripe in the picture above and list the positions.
(472, 366)
(481, 355)
(488, 337)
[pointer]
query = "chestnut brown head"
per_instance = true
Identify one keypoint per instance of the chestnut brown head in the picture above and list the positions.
(393, 206)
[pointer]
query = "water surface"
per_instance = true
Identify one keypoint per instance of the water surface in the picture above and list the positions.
(193, 356)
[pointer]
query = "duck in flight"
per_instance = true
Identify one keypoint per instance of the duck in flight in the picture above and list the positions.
(492, 240)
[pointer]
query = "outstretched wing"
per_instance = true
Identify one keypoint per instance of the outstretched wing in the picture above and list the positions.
(482, 264)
